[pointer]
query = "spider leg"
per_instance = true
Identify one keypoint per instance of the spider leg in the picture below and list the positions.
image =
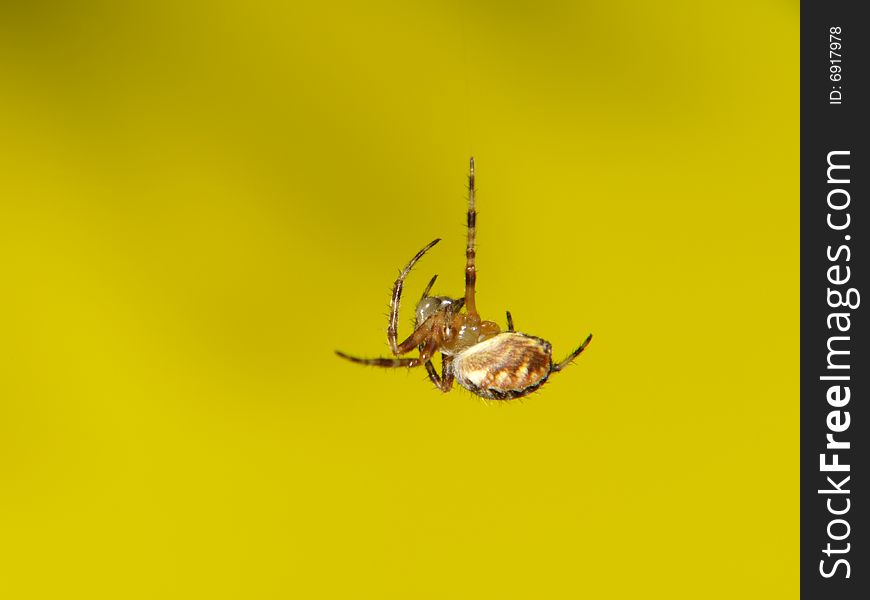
(571, 356)
(428, 287)
(446, 372)
(421, 338)
(510, 320)
(396, 298)
(445, 382)
(470, 268)
(433, 374)
(388, 363)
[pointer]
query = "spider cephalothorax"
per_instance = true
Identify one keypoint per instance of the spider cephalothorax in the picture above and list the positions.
(494, 364)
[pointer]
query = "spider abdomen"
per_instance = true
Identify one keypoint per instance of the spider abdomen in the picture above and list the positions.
(503, 367)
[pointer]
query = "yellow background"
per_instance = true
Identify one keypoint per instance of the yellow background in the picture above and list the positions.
(200, 202)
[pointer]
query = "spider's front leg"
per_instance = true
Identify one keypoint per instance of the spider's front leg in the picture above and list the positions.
(420, 336)
(396, 298)
(387, 363)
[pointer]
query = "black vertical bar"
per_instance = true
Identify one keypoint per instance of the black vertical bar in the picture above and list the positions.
(835, 225)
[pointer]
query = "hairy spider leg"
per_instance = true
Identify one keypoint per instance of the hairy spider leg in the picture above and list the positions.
(445, 382)
(571, 356)
(388, 363)
(396, 298)
(428, 288)
(421, 334)
(510, 321)
(470, 268)
(430, 368)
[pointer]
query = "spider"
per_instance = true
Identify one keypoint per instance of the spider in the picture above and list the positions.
(480, 357)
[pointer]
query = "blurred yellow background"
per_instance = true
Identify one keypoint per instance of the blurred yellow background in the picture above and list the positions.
(199, 202)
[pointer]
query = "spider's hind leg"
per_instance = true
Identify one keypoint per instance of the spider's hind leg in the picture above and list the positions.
(572, 356)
